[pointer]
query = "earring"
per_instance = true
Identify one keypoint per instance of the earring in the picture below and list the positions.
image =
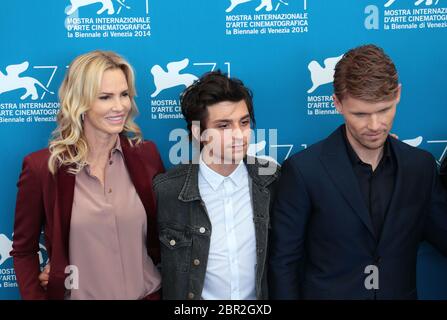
(82, 116)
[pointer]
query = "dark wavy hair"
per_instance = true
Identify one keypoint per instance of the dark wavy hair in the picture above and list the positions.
(213, 87)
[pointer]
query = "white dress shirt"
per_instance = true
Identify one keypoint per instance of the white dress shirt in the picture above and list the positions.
(230, 272)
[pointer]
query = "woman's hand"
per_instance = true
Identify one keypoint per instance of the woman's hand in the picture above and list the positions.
(44, 276)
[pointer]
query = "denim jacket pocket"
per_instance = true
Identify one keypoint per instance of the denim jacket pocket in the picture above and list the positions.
(176, 245)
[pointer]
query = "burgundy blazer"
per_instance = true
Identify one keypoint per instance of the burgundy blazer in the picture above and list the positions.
(46, 200)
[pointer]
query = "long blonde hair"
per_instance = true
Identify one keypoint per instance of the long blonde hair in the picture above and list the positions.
(68, 145)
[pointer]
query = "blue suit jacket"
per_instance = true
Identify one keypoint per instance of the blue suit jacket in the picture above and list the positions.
(322, 237)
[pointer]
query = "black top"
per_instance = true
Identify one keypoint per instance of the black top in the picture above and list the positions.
(376, 186)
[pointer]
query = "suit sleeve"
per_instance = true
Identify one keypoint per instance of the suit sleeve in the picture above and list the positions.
(436, 223)
(289, 219)
(443, 172)
(29, 218)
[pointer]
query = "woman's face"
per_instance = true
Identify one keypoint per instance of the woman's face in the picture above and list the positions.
(110, 108)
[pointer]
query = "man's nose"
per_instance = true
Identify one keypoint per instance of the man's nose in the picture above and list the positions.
(374, 123)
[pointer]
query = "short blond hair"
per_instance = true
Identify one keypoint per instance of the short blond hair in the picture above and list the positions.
(68, 145)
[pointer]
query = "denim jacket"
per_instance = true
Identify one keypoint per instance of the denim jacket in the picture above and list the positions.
(185, 228)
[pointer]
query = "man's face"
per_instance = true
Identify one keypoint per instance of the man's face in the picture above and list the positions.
(227, 133)
(367, 123)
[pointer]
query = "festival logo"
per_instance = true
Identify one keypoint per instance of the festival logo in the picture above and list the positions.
(266, 17)
(26, 94)
(107, 19)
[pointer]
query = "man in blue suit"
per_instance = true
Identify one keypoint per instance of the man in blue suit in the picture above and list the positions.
(352, 209)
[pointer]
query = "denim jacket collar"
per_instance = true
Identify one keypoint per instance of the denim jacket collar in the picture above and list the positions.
(255, 167)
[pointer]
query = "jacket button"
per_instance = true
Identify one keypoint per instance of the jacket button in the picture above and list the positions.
(202, 230)
(172, 242)
(190, 295)
(196, 262)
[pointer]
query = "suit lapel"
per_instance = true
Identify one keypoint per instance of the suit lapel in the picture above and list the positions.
(338, 166)
(137, 160)
(64, 202)
(398, 185)
(65, 183)
(139, 177)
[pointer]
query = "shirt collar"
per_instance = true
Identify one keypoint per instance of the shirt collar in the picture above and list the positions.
(117, 147)
(215, 179)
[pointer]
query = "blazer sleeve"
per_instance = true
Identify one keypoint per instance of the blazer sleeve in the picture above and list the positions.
(291, 211)
(29, 218)
(159, 167)
(436, 223)
(443, 172)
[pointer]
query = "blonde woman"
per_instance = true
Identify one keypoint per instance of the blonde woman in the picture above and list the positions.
(91, 192)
